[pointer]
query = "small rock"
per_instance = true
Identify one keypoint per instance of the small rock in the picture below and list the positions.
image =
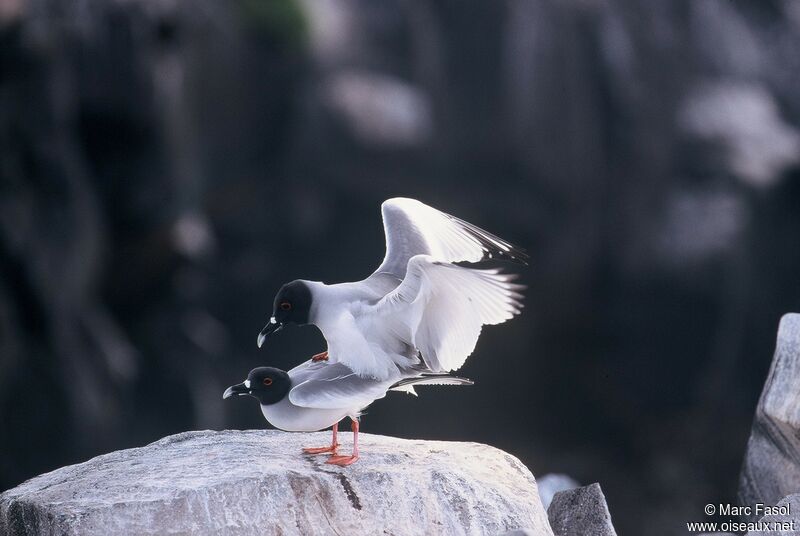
(552, 483)
(258, 482)
(770, 470)
(581, 511)
(781, 524)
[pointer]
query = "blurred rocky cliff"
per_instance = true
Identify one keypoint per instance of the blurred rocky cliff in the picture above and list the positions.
(165, 165)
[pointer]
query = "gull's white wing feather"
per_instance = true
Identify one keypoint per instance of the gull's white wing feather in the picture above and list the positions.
(348, 345)
(413, 228)
(440, 308)
(334, 385)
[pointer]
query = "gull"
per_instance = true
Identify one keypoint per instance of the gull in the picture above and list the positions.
(422, 307)
(316, 395)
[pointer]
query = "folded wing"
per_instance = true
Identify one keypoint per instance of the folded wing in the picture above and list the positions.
(413, 228)
(334, 385)
(440, 308)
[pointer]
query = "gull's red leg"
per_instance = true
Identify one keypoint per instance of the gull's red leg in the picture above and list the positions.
(347, 460)
(322, 356)
(331, 449)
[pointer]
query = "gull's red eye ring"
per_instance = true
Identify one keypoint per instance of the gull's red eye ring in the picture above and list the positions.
(285, 306)
(267, 381)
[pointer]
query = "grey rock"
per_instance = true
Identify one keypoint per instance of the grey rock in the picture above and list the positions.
(258, 482)
(770, 470)
(552, 483)
(787, 521)
(580, 512)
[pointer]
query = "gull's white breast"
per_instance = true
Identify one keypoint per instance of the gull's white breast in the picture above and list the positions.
(366, 344)
(286, 416)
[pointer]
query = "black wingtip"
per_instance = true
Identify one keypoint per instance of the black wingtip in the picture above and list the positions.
(494, 247)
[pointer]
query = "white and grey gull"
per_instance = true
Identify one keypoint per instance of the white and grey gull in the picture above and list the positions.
(316, 395)
(419, 308)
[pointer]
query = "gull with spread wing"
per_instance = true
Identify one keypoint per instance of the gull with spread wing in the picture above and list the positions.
(419, 310)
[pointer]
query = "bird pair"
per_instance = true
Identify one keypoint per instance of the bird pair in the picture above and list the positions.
(412, 322)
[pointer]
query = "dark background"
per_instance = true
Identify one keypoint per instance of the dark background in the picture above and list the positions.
(166, 164)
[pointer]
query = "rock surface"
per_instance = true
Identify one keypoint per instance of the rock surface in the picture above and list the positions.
(781, 524)
(580, 511)
(770, 470)
(258, 482)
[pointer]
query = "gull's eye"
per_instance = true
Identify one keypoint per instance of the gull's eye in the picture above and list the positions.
(267, 381)
(285, 306)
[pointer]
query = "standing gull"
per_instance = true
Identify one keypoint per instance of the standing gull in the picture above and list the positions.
(315, 395)
(419, 310)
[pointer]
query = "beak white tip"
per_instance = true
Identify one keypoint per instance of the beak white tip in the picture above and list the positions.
(260, 340)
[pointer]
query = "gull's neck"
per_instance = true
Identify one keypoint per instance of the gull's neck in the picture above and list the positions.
(320, 298)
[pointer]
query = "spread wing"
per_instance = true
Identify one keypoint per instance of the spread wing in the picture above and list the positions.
(413, 228)
(335, 385)
(440, 308)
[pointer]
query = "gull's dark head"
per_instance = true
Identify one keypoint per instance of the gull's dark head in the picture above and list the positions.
(292, 306)
(267, 384)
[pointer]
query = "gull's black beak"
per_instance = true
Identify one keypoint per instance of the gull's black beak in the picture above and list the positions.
(238, 389)
(269, 329)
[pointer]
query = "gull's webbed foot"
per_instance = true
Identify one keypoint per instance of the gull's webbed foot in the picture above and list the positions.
(321, 450)
(322, 356)
(331, 449)
(342, 460)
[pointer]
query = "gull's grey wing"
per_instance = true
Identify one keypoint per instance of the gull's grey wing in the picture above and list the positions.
(414, 228)
(334, 385)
